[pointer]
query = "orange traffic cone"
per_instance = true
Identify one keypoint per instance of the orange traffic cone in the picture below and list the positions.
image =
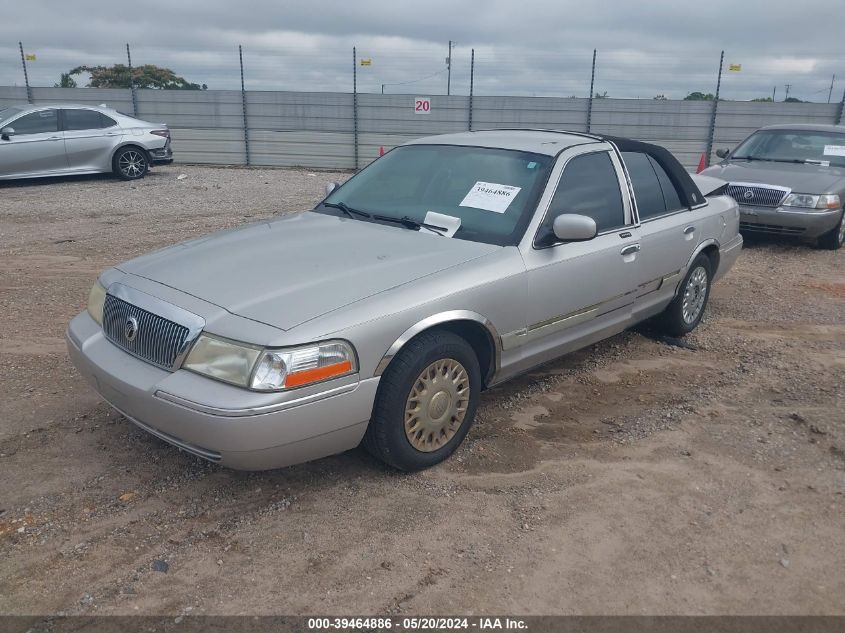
(381, 151)
(702, 163)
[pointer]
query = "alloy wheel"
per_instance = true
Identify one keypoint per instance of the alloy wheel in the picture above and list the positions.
(695, 293)
(132, 164)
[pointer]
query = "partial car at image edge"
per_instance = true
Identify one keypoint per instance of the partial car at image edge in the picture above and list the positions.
(445, 267)
(789, 180)
(70, 139)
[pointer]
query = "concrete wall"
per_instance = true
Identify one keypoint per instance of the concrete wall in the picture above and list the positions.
(316, 129)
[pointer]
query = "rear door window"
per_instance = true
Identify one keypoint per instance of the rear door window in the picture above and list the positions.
(654, 191)
(79, 119)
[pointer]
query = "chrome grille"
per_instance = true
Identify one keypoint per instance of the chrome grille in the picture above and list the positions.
(157, 340)
(757, 196)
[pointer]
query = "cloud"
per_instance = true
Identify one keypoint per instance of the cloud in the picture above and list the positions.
(522, 48)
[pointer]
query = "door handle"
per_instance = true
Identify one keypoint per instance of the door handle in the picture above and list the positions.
(630, 250)
(689, 229)
(54, 138)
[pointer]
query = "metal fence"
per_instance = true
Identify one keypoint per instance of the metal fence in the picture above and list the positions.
(329, 130)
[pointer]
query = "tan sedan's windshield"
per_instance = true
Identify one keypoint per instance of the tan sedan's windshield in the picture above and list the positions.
(491, 192)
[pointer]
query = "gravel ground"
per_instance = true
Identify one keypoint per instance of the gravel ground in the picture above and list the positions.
(633, 477)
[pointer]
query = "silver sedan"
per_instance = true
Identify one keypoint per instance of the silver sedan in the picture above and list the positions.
(68, 139)
(447, 266)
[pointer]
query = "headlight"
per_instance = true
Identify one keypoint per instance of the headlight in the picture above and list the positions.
(222, 359)
(96, 299)
(271, 369)
(810, 201)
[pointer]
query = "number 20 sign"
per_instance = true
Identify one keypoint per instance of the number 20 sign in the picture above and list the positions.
(422, 105)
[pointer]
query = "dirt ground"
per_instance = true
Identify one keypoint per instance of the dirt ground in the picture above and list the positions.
(634, 477)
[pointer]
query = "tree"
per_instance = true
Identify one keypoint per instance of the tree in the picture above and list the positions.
(762, 100)
(660, 98)
(147, 76)
(792, 100)
(600, 95)
(66, 81)
(699, 96)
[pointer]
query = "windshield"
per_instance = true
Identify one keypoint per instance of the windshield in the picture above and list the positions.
(8, 113)
(493, 192)
(794, 146)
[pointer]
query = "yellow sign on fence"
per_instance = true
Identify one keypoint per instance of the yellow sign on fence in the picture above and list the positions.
(735, 67)
(30, 57)
(367, 62)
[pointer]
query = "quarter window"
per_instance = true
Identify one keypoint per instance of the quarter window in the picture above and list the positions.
(78, 119)
(655, 193)
(589, 186)
(40, 122)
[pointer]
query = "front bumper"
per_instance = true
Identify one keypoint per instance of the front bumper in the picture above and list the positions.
(787, 221)
(218, 422)
(728, 254)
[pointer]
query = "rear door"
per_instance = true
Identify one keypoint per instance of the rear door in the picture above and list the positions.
(669, 231)
(36, 147)
(90, 137)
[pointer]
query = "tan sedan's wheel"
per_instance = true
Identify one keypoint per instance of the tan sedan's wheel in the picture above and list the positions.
(835, 239)
(437, 405)
(426, 401)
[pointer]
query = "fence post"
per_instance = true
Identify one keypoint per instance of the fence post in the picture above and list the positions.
(355, 103)
(841, 108)
(243, 105)
(132, 83)
(592, 87)
(715, 109)
(471, 81)
(25, 75)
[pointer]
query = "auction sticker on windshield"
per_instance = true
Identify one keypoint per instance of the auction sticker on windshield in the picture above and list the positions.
(490, 196)
(834, 150)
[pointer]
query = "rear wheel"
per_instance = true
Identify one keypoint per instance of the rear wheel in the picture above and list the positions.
(130, 163)
(426, 402)
(684, 314)
(834, 239)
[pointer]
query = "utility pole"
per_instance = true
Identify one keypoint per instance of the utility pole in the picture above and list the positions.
(830, 92)
(774, 92)
(787, 86)
(243, 105)
(355, 104)
(592, 87)
(449, 69)
(471, 82)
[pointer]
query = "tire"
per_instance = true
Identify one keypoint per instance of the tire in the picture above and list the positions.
(434, 361)
(835, 238)
(684, 314)
(130, 163)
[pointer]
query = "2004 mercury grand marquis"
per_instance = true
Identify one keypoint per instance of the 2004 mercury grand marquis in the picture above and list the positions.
(448, 265)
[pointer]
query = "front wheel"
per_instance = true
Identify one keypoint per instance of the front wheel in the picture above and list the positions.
(130, 163)
(426, 402)
(684, 314)
(834, 239)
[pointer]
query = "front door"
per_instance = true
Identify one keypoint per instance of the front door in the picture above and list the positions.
(36, 147)
(581, 292)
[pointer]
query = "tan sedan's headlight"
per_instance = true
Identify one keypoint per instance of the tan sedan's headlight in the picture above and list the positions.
(96, 299)
(270, 369)
(825, 202)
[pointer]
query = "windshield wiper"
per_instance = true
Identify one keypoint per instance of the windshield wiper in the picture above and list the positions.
(772, 160)
(349, 211)
(411, 223)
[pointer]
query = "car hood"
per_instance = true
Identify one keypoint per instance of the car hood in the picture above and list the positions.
(299, 267)
(799, 178)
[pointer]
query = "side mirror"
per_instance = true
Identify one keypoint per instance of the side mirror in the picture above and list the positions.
(331, 186)
(6, 132)
(722, 153)
(571, 227)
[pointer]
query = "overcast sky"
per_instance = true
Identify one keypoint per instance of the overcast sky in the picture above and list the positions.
(522, 47)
